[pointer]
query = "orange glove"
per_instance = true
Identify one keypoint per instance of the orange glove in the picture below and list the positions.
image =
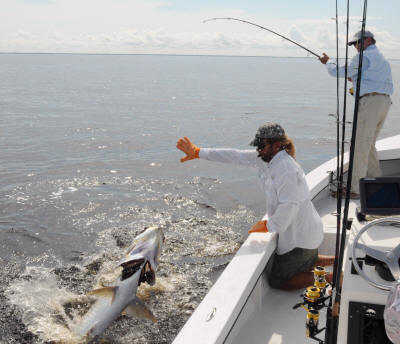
(187, 147)
(260, 226)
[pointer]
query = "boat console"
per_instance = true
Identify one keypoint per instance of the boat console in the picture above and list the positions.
(379, 196)
(371, 263)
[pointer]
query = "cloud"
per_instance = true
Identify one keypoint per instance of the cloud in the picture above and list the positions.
(162, 41)
(141, 27)
(24, 34)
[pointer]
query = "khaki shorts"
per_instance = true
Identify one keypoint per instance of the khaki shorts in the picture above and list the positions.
(284, 267)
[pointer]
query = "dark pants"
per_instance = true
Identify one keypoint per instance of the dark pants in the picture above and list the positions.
(286, 266)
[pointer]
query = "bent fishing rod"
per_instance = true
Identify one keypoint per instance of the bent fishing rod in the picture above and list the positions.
(264, 28)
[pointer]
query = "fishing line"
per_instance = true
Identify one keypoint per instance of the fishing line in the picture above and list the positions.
(264, 28)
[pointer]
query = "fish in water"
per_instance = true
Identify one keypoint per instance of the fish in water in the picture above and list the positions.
(138, 266)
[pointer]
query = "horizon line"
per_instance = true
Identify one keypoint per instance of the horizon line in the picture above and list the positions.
(161, 54)
(141, 54)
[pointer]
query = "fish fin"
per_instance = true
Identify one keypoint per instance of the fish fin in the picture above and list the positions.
(138, 309)
(104, 292)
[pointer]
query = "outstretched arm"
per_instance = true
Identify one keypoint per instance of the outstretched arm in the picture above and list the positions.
(225, 155)
(351, 70)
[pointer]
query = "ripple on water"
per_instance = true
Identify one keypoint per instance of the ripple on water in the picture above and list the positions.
(48, 299)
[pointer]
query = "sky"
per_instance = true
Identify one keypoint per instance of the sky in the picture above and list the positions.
(177, 26)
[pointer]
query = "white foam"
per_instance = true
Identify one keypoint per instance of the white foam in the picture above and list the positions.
(41, 301)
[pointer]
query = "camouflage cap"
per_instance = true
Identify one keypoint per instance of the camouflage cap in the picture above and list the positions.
(267, 131)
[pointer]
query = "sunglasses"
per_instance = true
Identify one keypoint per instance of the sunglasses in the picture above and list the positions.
(359, 41)
(261, 145)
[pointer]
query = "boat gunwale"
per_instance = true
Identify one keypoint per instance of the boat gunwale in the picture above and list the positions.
(197, 329)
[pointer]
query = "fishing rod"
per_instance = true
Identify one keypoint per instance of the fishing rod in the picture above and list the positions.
(341, 172)
(330, 331)
(338, 169)
(264, 28)
(332, 320)
(352, 148)
(332, 338)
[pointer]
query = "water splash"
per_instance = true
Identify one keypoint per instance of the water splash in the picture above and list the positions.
(47, 298)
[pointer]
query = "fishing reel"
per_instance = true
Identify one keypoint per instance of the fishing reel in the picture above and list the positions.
(314, 298)
(319, 278)
(312, 325)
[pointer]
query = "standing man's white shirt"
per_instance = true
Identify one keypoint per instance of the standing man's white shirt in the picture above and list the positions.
(376, 73)
(374, 104)
(290, 211)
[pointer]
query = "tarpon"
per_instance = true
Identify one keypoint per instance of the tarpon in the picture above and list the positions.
(138, 266)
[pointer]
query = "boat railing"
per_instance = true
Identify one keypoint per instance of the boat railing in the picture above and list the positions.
(217, 314)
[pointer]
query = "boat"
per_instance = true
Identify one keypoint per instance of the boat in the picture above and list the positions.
(242, 308)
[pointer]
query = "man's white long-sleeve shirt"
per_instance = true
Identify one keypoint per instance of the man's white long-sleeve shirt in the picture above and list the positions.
(289, 209)
(376, 73)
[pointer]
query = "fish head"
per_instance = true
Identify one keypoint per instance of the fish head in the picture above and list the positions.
(132, 267)
(146, 246)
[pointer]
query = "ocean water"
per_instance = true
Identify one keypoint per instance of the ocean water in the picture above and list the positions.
(88, 160)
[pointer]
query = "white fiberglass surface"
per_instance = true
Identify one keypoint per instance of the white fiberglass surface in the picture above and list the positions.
(276, 322)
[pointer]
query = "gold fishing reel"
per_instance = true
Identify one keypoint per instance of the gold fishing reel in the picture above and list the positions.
(312, 320)
(319, 277)
(314, 298)
(312, 325)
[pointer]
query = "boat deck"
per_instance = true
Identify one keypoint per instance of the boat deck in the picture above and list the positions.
(285, 326)
(274, 321)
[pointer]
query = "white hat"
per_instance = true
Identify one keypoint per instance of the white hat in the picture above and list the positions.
(357, 36)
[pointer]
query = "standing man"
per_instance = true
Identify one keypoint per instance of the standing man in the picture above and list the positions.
(375, 89)
(289, 209)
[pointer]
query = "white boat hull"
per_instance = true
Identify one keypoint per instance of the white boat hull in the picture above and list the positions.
(242, 308)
